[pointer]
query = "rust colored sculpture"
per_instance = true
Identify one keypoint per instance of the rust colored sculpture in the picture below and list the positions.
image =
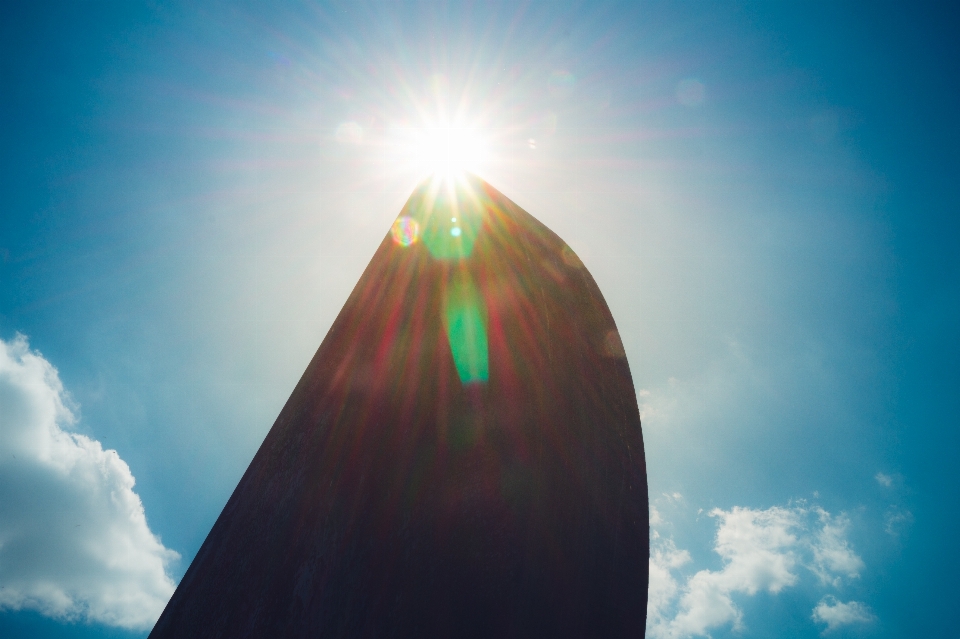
(462, 457)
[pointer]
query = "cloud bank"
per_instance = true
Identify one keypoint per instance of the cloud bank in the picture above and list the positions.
(762, 550)
(74, 540)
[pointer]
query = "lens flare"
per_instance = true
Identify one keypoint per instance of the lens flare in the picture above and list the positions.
(405, 231)
(465, 321)
(448, 237)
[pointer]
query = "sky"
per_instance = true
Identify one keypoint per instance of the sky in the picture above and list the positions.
(765, 193)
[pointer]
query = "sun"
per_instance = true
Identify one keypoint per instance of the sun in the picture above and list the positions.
(450, 150)
(445, 150)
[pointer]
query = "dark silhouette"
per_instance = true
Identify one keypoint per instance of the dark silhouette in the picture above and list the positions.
(462, 458)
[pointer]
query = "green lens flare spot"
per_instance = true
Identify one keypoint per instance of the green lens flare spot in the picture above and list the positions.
(465, 317)
(449, 221)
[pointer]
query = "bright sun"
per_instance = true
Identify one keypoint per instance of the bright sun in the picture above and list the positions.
(447, 150)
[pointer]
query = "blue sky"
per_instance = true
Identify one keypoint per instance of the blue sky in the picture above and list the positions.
(765, 193)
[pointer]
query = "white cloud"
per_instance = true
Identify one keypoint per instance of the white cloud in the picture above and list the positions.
(884, 480)
(664, 559)
(836, 613)
(832, 553)
(895, 520)
(762, 550)
(655, 518)
(658, 406)
(74, 540)
(757, 548)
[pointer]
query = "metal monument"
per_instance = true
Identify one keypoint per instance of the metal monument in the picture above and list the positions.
(462, 458)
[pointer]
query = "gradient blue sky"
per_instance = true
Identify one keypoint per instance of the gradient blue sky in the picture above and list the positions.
(765, 192)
